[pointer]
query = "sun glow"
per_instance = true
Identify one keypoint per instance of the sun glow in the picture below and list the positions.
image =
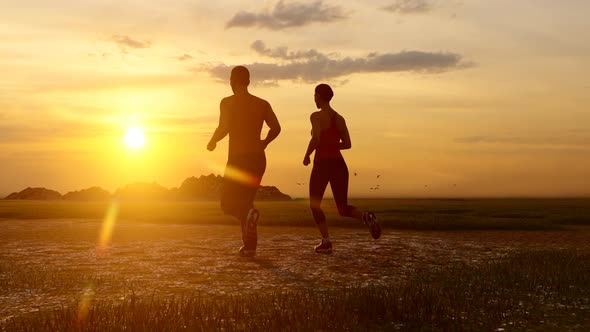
(134, 138)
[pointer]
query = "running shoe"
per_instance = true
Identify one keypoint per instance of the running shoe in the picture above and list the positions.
(249, 233)
(370, 220)
(325, 247)
(247, 252)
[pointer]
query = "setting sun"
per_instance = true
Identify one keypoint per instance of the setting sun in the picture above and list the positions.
(134, 138)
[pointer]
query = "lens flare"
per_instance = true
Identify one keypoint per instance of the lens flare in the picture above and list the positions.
(84, 304)
(233, 173)
(241, 176)
(107, 228)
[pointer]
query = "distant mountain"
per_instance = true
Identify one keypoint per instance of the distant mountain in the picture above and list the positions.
(90, 194)
(35, 194)
(271, 193)
(209, 187)
(202, 188)
(143, 191)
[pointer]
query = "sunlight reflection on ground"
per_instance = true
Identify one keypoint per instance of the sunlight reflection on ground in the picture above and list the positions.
(46, 263)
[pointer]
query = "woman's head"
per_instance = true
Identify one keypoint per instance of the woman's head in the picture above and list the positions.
(323, 94)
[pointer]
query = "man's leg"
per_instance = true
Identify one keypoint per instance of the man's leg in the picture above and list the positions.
(254, 168)
(235, 196)
(230, 202)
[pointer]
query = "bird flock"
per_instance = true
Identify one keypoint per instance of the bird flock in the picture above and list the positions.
(375, 187)
(378, 185)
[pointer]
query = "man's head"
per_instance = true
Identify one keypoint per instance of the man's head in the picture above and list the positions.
(323, 95)
(240, 78)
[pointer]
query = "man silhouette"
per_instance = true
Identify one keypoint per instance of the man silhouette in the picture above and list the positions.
(242, 117)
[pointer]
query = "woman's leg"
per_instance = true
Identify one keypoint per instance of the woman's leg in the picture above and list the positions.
(339, 184)
(317, 186)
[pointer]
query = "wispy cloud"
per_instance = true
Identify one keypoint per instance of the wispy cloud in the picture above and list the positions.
(409, 6)
(113, 81)
(561, 139)
(287, 14)
(12, 134)
(184, 57)
(178, 124)
(125, 43)
(283, 52)
(313, 65)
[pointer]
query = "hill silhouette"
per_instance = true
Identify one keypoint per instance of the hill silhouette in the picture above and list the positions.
(202, 188)
(35, 194)
(209, 187)
(142, 191)
(90, 194)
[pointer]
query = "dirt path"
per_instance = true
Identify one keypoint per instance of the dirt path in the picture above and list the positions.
(44, 264)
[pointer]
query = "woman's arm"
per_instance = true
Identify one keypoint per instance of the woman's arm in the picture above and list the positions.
(345, 143)
(315, 138)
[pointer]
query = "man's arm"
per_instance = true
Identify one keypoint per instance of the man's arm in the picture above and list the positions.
(275, 127)
(222, 129)
(315, 139)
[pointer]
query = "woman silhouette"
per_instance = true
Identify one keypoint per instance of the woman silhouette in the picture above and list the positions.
(329, 136)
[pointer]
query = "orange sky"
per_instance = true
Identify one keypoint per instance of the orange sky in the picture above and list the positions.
(442, 98)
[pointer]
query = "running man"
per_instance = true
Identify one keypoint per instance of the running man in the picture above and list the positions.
(242, 117)
(329, 136)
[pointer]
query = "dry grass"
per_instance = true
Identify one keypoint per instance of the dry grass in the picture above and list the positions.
(508, 214)
(172, 266)
(541, 290)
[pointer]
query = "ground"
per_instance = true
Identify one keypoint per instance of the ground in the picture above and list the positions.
(57, 261)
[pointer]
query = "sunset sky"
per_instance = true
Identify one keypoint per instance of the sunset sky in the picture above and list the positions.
(442, 98)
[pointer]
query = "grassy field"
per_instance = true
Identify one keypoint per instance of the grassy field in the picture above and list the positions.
(538, 290)
(532, 214)
(458, 265)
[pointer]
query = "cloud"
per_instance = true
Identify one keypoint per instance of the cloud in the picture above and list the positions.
(311, 66)
(113, 81)
(178, 124)
(283, 52)
(563, 139)
(15, 133)
(184, 57)
(488, 139)
(125, 43)
(287, 15)
(409, 6)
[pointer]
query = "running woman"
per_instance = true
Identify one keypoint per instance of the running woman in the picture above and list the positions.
(242, 116)
(329, 136)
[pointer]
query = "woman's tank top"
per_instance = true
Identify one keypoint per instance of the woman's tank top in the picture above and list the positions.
(329, 142)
